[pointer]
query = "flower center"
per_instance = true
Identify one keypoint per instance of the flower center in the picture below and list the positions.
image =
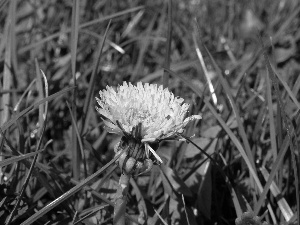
(137, 115)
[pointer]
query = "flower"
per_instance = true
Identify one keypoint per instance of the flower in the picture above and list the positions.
(145, 112)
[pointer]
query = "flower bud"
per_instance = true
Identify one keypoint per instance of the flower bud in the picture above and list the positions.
(132, 157)
(129, 166)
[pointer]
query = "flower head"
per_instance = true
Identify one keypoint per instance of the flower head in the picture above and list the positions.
(145, 112)
(148, 107)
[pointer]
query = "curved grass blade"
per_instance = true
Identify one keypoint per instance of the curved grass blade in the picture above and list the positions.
(6, 125)
(39, 87)
(41, 134)
(241, 150)
(225, 127)
(67, 195)
(14, 159)
(230, 134)
(242, 131)
(42, 180)
(16, 108)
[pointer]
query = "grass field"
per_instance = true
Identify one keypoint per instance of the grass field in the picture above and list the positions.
(237, 64)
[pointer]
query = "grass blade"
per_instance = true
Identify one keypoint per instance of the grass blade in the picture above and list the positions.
(89, 212)
(76, 159)
(174, 67)
(41, 133)
(168, 49)
(186, 215)
(88, 98)
(275, 167)
(140, 199)
(84, 25)
(283, 205)
(289, 128)
(271, 117)
(161, 219)
(39, 86)
(135, 20)
(7, 124)
(288, 90)
(242, 131)
(230, 134)
(9, 37)
(14, 159)
(144, 44)
(225, 127)
(202, 63)
(78, 138)
(66, 195)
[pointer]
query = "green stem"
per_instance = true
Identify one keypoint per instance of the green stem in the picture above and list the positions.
(120, 200)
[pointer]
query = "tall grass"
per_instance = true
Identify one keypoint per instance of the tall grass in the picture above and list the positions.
(57, 161)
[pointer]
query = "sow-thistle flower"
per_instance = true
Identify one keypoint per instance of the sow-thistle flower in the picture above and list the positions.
(144, 115)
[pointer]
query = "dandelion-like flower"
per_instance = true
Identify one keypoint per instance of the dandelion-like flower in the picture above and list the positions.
(143, 114)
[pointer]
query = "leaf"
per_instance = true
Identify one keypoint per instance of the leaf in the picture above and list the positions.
(172, 183)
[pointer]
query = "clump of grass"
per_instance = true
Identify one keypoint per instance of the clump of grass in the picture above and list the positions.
(57, 161)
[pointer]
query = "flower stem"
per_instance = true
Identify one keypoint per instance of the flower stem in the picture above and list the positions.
(120, 200)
